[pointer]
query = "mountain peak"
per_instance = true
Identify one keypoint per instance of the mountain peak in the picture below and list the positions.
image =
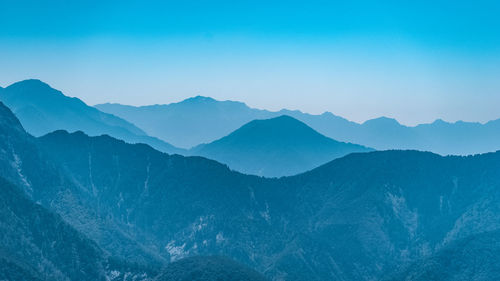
(199, 99)
(31, 88)
(283, 125)
(439, 121)
(384, 121)
(283, 118)
(43, 109)
(213, 103)
(275, 147)
(64, 133)
(30, 83)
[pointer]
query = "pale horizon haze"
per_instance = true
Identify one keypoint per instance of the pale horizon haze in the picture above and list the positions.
(415, 62)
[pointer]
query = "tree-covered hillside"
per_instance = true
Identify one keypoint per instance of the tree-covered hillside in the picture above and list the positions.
(364, 216)
(208, 268)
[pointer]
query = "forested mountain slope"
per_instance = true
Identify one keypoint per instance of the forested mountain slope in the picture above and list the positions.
(364, 216)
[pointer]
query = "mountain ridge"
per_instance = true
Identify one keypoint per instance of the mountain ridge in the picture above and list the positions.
(363, 216)
(206, 123)
(338, 198)
(284, 111)
(43, 109)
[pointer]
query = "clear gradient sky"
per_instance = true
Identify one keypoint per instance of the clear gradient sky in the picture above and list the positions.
(412, 60)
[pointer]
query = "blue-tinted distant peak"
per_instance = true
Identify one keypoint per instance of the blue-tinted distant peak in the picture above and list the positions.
(30, 83)
(281, 126)
(439, 122)
(199, 99)
(382, 121)
(285, 119)
(32, 88)
(282, 119)
(205, 102)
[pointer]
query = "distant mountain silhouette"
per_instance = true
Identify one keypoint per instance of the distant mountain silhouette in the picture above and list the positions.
(43, 109)
(208, 268)
(203, 120)
(262, 151)
(364, 216)
(190, 122)
(281, 146)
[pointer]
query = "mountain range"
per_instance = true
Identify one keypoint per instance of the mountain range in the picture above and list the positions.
(280, 146)
(364, 216)
(202, 120)
(275, 148)
(225, 130)
(43, 109)
(191, 122)
(46, 219)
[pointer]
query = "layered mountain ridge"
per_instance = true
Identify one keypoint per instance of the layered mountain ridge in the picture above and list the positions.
(203, 120)
(42, 109)
(364, 216)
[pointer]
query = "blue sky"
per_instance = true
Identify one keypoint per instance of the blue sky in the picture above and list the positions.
(358, 59)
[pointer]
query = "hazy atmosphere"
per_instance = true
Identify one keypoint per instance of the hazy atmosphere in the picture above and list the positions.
(249, 140)
(415, 62)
